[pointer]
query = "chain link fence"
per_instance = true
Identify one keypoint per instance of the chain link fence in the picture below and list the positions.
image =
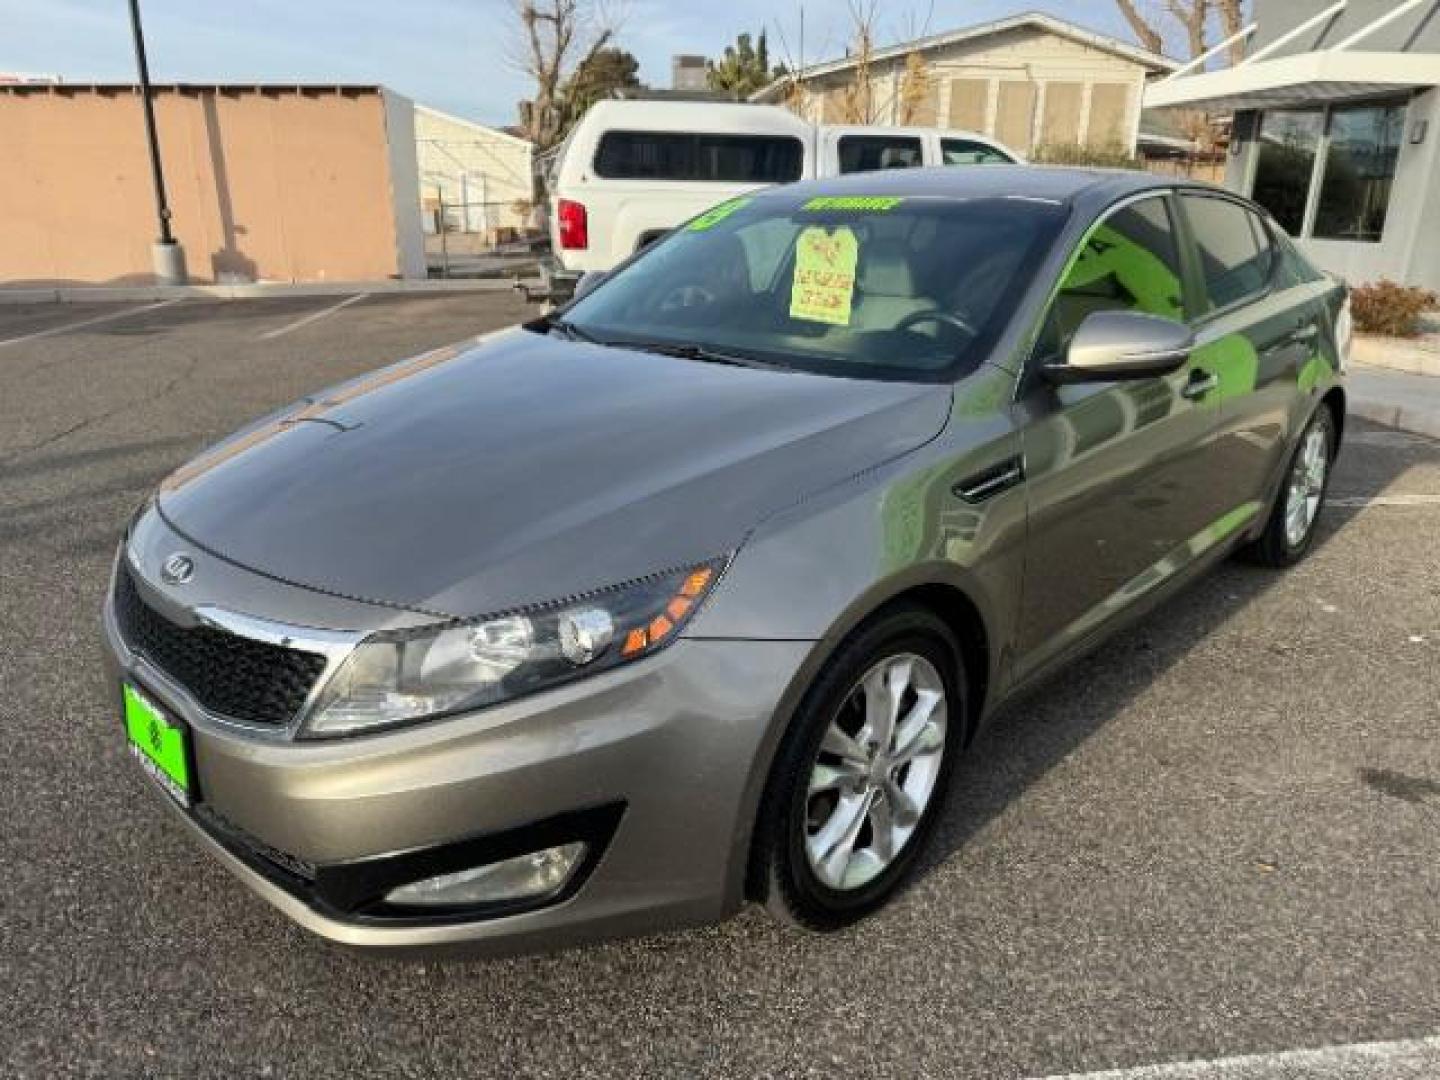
(479, 239)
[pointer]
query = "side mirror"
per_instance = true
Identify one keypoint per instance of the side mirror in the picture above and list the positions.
(1115, 345)
(588, 281)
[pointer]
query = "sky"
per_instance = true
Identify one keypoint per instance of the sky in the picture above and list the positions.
(450, 54)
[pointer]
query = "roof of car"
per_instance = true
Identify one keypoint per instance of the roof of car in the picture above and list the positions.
(1061, 185)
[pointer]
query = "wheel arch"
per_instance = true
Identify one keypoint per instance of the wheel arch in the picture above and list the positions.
(1334, 400)
(948, 601)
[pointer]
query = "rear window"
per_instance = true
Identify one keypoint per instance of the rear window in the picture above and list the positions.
(865, 153)
(1235, 251)
(696, 156)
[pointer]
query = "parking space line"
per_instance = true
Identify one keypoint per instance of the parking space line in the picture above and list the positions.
(109, 316)
(1400, 1058)
(1361, 501)
(314, 316)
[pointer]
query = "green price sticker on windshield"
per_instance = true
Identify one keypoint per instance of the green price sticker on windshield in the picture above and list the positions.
(872, 204)
(716, 214)
(824, 283)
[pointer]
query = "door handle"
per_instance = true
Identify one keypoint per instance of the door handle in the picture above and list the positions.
(991, 482)
(1305, 332)
(1200, 383)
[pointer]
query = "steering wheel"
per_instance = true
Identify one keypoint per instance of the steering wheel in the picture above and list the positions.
(936, 315)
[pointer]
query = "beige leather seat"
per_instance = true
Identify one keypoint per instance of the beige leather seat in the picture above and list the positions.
(885, 287)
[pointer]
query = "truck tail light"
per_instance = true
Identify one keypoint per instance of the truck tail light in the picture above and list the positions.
(574, 225)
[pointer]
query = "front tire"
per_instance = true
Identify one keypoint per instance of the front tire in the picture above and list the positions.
(1290, 531)
(862, 772)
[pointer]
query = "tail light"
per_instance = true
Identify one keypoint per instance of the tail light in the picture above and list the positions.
(574, 225)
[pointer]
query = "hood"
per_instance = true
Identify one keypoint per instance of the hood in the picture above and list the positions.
(526, 468)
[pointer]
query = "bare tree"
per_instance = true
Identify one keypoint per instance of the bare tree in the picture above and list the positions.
(554, 38)
(857, 100)
(1192, 18)
(1147, 35)
(906, 92)
(1232, 21)
(866, 93)
(915, 87)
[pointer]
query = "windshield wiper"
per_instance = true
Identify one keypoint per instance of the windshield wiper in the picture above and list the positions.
(573, 332)
(553, 322)
(697, 352)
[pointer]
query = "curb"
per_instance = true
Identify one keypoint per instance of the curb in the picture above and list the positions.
(1414, 357)
(134, 293)
(1416, 421)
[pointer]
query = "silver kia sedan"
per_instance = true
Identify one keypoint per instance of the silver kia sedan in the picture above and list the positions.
(695, 592)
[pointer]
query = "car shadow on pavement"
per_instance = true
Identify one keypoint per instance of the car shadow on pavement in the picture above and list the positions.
(1046, 724)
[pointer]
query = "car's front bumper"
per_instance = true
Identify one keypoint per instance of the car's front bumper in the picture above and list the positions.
(661, 761)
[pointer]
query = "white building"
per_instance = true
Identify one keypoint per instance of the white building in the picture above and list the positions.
(1024, 80)
(481, 174)
(1337, 129)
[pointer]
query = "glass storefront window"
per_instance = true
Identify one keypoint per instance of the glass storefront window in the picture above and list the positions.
(1364, 142)
(1289, 140)
(1360, 144)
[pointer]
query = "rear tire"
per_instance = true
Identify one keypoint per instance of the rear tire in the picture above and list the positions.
(857, 781)
(1290, 531)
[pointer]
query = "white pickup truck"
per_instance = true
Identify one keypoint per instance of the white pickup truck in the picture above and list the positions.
(631, 171)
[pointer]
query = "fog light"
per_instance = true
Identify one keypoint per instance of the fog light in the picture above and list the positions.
(525, 877)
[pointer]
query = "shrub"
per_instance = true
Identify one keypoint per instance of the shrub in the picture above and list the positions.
(1111, 155)
(1388, 308)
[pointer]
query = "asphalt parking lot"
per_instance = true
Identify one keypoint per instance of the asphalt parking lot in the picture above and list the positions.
(1218, 837)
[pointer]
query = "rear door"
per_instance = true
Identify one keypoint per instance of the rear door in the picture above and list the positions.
(1264, 331)
(1119, 475)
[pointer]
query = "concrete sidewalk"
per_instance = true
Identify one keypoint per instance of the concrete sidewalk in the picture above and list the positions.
(1396, 398)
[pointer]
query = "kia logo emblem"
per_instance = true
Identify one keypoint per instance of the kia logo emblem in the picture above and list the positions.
(178, 569)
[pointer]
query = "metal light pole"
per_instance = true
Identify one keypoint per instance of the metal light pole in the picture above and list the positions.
(167, 257)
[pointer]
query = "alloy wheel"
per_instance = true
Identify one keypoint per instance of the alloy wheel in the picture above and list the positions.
(1307, 486)
(875, 771)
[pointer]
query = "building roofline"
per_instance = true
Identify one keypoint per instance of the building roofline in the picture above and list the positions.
(1145, 57)
(441, 114)
(63, 88)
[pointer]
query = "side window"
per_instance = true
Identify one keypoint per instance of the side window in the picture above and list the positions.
(1236, 256)
(666, 155)
(864, 153)
(970, 152)
(1129, 263)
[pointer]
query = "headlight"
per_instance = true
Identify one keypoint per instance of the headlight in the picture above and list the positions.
(392, 678)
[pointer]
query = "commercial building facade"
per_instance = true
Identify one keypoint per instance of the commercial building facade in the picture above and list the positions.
(266, 183)
(1336, 130)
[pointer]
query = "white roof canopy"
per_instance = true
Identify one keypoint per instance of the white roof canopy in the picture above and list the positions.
(1297, 80)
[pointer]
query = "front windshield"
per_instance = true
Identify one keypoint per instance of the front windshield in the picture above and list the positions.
(872, 287)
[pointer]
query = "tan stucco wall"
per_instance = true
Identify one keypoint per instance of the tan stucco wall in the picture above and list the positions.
(275, 185)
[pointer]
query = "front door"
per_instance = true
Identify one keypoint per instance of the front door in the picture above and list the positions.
(1120, 478)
